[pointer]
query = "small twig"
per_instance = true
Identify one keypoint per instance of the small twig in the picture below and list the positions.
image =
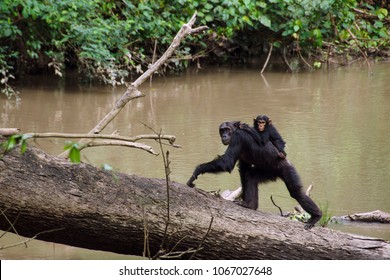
(285, 59)
(12, 224)
(368, 15)
(167, 171)
(204, 238)
(153, 59)
(360, 49)
(268, 57)
(162, 253)
(99, 143)
(309, 188)
(29, 239)
(167, 180)
(115, 136)
(280, 209)
(178, 254)
(300, 55)
(146, 252)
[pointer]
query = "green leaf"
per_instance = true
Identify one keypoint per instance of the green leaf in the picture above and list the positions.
(11, 143)
(74, 154)
(247, 20)
(23, 147)
(378, 24)
(381, 13)
(208, 6)
(317, 64)
(265, 20)
(74, 151)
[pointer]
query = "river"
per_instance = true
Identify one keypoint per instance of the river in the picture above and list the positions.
(335, 123)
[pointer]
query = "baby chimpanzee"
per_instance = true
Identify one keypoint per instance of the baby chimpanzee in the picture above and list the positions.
(268, 132)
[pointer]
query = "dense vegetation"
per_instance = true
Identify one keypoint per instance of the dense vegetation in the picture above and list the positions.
(109, 39)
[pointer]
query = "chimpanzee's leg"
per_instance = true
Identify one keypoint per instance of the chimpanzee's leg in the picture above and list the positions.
(250, 193)
(291, 178)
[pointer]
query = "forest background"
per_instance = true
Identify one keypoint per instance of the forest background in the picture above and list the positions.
(108, 40)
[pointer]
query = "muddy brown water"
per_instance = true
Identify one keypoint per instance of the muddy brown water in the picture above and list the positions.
(335, 123)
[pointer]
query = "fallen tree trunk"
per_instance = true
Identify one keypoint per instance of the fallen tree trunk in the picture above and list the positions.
(376, 216)
(98, 209)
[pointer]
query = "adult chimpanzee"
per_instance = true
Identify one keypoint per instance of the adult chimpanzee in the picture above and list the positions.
(258, 163)
(268, 132)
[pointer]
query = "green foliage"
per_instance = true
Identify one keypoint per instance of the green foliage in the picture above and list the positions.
(301, 217)
(74, 151)
(108, 39)
(326, 215)
(14, 140)
(304, 216)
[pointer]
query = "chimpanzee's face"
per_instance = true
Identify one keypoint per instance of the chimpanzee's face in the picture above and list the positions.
(261, 125)
(226, 130)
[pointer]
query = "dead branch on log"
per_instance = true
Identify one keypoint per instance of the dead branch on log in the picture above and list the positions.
(101, 139)
(9, 131)
(132, 91)
(376, 216)
(114, 136)
(99, 143)
(231, 195)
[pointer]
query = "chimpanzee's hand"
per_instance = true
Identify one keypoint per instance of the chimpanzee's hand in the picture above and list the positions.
(190, 182)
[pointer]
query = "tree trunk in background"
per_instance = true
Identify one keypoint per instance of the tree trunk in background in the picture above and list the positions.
(103, 210)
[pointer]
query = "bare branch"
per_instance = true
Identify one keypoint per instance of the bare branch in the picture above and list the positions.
(200, 247)
(268, 57)
(170, 138)
(99, 143)
(28, 239)
(9, 131)
(132, 91)
(280, 209)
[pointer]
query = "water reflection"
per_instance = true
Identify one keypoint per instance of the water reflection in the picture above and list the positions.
(335, 125)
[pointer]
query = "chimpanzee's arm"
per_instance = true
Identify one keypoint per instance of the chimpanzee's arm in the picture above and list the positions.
(276, 138)
(223, 163)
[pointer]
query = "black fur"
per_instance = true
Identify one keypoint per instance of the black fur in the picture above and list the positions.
(270, 133)
(258, 162)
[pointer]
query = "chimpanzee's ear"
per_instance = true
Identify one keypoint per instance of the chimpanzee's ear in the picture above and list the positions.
(269, 122)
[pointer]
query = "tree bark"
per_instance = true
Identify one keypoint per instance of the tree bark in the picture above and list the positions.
(97, 209)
